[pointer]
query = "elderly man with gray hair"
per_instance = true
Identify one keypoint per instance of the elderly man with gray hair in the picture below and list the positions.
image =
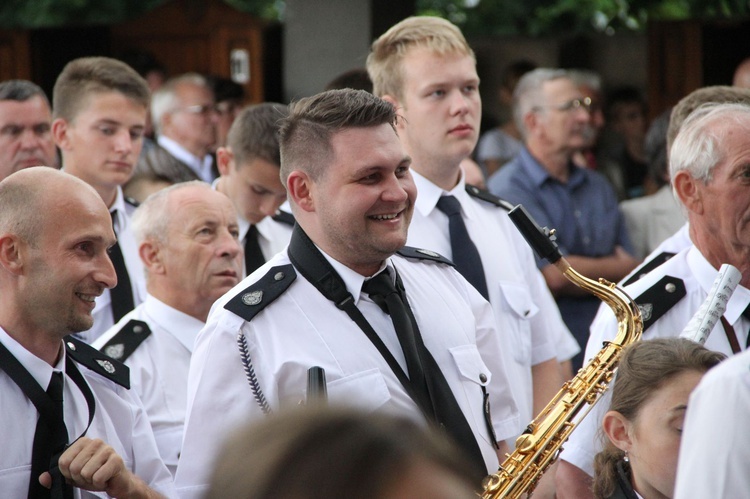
(709, 168)
(184, 115)
(555, 120)
(187, 237)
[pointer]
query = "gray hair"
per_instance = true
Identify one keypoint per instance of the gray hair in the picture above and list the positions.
(21, 91)
(528, 93)
(586, 78)
(152, 218)
(697, 148)
(164, 100)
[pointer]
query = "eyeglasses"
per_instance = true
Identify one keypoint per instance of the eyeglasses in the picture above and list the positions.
(572, 105)
(202, 109)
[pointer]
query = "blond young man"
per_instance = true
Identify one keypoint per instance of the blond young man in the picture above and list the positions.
(426, 69)
(99, 115)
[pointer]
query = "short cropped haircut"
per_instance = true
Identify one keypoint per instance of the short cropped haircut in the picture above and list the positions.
(305, 136)
(20, 213)
(151, 219)
(255, 133)
(707, 95)
(433, 33)
(528, 93)
(698, 146)
(21, 91)
(165, 98)
(82, 77)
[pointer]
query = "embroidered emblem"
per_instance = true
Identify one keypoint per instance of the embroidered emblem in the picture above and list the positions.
(115, 351)
(646, 310)
(252, 298)
(278, 276)
(106, 365)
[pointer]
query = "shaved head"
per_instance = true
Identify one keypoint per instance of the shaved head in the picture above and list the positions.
(28, 196)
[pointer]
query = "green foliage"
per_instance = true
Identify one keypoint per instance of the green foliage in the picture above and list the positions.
(542, 17)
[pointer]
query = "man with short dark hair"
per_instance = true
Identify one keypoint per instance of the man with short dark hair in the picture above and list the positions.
(249, 167)
(100, 107)
(69, 420)
(402, 333)
(25, 123)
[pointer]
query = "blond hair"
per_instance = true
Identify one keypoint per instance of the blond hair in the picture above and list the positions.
(386, 53)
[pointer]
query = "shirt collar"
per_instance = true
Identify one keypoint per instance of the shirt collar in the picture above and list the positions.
(428, 195)
(39, 369)
(539, 175)
(120, 220)
(180, 325)
(201, 166)
(705, 274)
(352, 280)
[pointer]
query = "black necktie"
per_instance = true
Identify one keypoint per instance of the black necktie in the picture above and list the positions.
(253, 255)
(383, 292)
(50, 440)
(465, 254)
(122, 294)
(746, 315)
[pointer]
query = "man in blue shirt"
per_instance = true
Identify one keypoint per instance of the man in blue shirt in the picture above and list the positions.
(555, 121)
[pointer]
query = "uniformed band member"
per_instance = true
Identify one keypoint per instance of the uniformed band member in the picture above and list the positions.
(709, 168)
(249, 167)
(56, 391)
(187, 239)
(99, 112)
(425, 67)
(437, 357)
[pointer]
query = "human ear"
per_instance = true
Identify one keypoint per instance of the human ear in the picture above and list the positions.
(60, 133)
(686, 189)
(617, 429)
(224, 158)
(300, 190)
(151, 256)
(11, 257)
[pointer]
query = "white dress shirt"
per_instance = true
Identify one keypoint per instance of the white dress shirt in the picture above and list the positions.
(715, 446)
(159, 370)
(119, 420)
(103, 319)
(517, 290)
(698, 276)
(301, 329)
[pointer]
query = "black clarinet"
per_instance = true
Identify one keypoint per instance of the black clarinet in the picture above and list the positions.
(317, 393)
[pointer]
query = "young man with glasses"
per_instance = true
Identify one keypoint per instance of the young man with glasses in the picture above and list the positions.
(555, 121)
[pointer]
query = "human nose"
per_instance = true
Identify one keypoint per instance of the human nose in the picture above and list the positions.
(123, 142)
(270, 206)
(459, 103)
(396, 189)
(30, 140)
(105, 273)
(228, 245)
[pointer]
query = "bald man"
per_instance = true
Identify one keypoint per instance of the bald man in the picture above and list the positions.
(60, 397)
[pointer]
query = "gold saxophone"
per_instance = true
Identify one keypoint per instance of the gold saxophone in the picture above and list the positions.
(539, 445)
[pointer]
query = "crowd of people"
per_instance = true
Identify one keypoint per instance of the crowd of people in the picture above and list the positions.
(174, 266)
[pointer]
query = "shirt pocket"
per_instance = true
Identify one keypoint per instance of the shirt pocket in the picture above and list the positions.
(474, 376)
(366, 390)
(516, 302)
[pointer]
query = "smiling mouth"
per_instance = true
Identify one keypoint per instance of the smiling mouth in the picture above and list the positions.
(87, 297)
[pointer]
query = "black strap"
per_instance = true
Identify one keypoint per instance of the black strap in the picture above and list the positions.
(746, 315)
(442, 408)
(122, 294)
(465, 254)
(47, 413)
(731, 335)
(253, 255)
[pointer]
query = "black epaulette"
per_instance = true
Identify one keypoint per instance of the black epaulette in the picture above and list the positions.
(484, 195)
(423, 254)
(659, 298)
(647, 267)
(90, 357)
(132, 202)
(124, 343)
(284, 218)
(250, 301)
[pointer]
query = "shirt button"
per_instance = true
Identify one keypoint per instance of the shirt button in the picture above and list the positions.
(483, 378)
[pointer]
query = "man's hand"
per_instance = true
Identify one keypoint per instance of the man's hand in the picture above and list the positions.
(93, 465)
